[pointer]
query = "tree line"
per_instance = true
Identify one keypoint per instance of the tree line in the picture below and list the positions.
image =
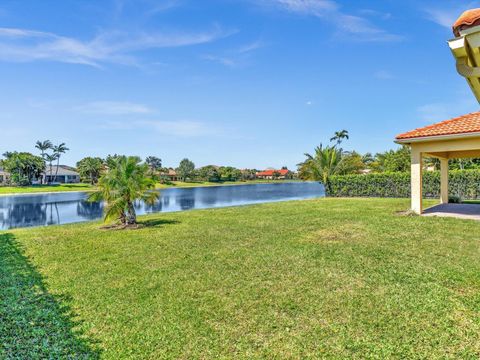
(25, 168)
(332, 159)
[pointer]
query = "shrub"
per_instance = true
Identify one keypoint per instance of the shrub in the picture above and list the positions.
(464, 184)
(453, 199)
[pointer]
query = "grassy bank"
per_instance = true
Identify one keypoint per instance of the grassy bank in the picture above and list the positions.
(6, 190)
(331, 278)
(223, 183)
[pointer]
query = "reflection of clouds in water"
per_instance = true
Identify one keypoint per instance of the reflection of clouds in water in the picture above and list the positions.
(35, 210)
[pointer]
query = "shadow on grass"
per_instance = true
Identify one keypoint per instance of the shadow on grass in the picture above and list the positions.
(157, 222)
(33, 323)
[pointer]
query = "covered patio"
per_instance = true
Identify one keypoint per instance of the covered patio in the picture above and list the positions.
(450, 139)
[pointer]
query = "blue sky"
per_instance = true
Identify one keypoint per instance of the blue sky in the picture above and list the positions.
(248, 83)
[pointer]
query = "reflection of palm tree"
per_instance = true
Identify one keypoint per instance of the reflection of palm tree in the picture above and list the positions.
(58, 215)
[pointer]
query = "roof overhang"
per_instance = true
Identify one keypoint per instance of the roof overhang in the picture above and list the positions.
(437, 138)
(466, 50)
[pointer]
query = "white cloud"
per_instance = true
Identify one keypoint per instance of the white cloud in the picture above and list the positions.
(446, 16)
(435, 112)
(235, 57)
(23, 45)
(227, 61)
(384, 75)
(113, 108)
(355, 27)
(317, 7)
(179, 128)
(182, 128)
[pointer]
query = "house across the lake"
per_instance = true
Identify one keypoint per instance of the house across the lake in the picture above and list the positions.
(4, 176)
(170, 174)
(272, 174)
(64, 175)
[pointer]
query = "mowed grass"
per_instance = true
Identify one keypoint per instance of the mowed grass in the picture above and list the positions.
(7, 190)
(326, 278)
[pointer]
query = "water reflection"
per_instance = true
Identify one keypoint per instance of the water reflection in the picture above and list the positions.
(62, 208)
(89, 210)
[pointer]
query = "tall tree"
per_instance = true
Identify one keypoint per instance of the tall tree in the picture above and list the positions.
(339, 136)
(229, 173)
(154, 163)
(58, 150)
(90, 168)
(208, 173)
(43, 146)
(186, 169)
(125, 182)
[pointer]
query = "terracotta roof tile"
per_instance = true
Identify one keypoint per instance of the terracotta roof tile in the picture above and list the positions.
(465, 124)
(468, 19)
(282, 172)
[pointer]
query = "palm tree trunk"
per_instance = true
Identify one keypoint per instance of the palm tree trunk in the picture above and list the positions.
(50, 173)
(56, 171)
(131, 215)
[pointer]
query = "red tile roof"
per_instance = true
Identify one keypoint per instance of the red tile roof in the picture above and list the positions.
(468, 19)
(465, 124)
(282, 172)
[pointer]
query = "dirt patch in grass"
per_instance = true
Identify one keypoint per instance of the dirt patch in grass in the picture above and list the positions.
(349, 231)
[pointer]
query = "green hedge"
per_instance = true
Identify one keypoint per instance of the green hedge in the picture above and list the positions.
(462, 183)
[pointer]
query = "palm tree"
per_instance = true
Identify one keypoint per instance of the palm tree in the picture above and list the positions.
(126, 182)
(43, 146)
(339, 136)
(58, 150)
(324, 163)
(50, 158)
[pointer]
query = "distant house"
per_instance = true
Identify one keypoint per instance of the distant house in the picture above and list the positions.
(272, 174)
(65, 175)
(170, 174)
(4, 177)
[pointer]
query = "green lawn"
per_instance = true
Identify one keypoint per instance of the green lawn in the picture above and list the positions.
(6, 190)
(327, 278)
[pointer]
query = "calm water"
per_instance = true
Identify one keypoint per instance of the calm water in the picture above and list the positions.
(50, 209)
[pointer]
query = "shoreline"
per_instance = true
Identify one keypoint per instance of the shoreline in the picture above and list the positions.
(156, 188)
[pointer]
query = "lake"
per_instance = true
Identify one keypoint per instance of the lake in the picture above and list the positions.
(63, 208)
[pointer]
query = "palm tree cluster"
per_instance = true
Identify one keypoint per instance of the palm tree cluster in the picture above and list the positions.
(326, 161)
(126, 182)
(55, 153)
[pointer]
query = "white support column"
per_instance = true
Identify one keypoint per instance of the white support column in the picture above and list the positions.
(416, 173)
(444, 181)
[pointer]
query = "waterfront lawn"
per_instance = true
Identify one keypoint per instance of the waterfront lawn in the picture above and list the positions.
(9, 190)
(326, 278)
(182, 184)
(6, 190)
